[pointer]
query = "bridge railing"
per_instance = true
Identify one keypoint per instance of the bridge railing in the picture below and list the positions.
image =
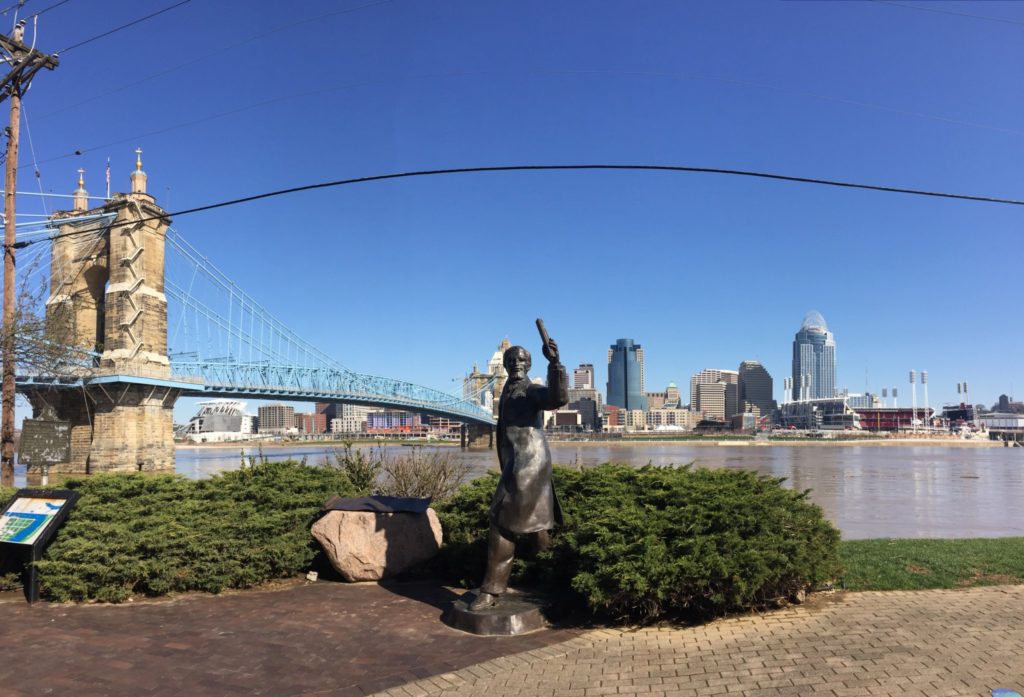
(327, 382)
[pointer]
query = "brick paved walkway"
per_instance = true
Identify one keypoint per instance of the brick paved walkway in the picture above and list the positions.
(337, 640)
(909, 644)
(325, 639)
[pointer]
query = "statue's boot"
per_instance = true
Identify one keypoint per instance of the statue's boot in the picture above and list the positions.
(483, 601)
(542, 541)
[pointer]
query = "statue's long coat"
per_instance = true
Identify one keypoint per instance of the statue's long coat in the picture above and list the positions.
(525, 499)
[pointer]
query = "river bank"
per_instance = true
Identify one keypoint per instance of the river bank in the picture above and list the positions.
(623, 442)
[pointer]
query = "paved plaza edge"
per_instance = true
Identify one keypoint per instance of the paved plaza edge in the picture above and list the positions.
(908, 643)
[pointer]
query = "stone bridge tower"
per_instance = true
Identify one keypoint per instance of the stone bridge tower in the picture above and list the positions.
(107, 296)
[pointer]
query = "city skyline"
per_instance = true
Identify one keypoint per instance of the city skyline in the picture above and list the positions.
(776, 385)
(702, 269)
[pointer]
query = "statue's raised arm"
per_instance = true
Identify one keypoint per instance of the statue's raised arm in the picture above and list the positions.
(550, 348)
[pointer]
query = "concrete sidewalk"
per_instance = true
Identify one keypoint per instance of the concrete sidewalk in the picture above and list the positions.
(930, 643)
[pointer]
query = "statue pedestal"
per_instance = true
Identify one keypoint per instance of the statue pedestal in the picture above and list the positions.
(516, 612)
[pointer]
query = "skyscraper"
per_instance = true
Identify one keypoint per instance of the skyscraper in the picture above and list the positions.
(626, 375)
(709, 376)
(755, 387)
(583, 377)
(713, 398)
(814, 359)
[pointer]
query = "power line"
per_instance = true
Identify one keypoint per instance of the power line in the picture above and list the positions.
(918, 6)
(35, 164)
(538, 168)
(47, 9)
(16, 6)
(123, 26)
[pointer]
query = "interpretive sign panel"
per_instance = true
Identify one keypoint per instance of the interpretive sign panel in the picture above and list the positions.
(27, 518)
(27, 524)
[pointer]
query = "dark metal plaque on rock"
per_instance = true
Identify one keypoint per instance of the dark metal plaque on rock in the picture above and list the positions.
(44, 442)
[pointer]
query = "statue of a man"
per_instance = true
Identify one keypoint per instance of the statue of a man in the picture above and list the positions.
(524, 502)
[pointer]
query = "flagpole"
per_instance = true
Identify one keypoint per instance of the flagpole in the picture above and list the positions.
(108, 178)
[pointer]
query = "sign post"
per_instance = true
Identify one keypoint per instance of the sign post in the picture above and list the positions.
(27, 525)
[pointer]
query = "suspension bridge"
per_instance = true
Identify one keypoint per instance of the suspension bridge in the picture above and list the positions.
(146, 318)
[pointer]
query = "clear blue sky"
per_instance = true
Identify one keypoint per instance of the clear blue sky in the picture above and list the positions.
(419, 279)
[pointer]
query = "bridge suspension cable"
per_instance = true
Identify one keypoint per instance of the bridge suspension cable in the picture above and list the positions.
(221, 334)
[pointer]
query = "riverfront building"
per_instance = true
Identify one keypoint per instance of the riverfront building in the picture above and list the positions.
(755, 388)
(893, 418)
(716, 400)
(583, 377)
(350, 418)
(671, 419)
(626, 375)
(276, 418)
(218, 420)
(814, 359)
(820, 414)
(392, 421)
(714, 405)
(669, 399)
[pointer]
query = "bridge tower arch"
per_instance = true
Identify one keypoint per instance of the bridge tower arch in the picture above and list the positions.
(107, 293)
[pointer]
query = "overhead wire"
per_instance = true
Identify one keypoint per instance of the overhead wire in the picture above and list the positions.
(51, 7)
(35, 164)
(16, 6)
(123, 26)
(925, 8)
(542, 168)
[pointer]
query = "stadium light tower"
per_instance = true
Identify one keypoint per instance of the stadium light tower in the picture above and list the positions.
(913, 401)
(924, 383)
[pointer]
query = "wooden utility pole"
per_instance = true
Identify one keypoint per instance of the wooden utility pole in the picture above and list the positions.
(24, 63)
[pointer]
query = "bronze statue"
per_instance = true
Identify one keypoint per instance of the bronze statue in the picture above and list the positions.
(524, 502)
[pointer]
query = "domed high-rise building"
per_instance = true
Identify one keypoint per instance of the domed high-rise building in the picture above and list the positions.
(814, 359)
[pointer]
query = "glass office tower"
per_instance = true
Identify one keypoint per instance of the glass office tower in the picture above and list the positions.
(814, 359)
(625, 375)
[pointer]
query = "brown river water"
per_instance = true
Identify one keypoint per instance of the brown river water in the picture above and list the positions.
(867, 491)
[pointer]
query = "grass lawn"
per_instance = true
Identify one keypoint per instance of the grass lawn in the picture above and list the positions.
(881, 565)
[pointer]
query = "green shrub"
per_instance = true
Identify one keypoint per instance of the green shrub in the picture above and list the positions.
(648, 543)
(134, 533)
(6, 494)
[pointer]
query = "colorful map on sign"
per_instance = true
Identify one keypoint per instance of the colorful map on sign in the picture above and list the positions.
(26, 519)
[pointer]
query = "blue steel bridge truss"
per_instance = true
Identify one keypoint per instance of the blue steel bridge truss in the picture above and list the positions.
(222, 342)
(322, 384)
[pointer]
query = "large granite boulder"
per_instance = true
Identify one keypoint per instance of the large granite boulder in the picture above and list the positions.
(370, 545)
